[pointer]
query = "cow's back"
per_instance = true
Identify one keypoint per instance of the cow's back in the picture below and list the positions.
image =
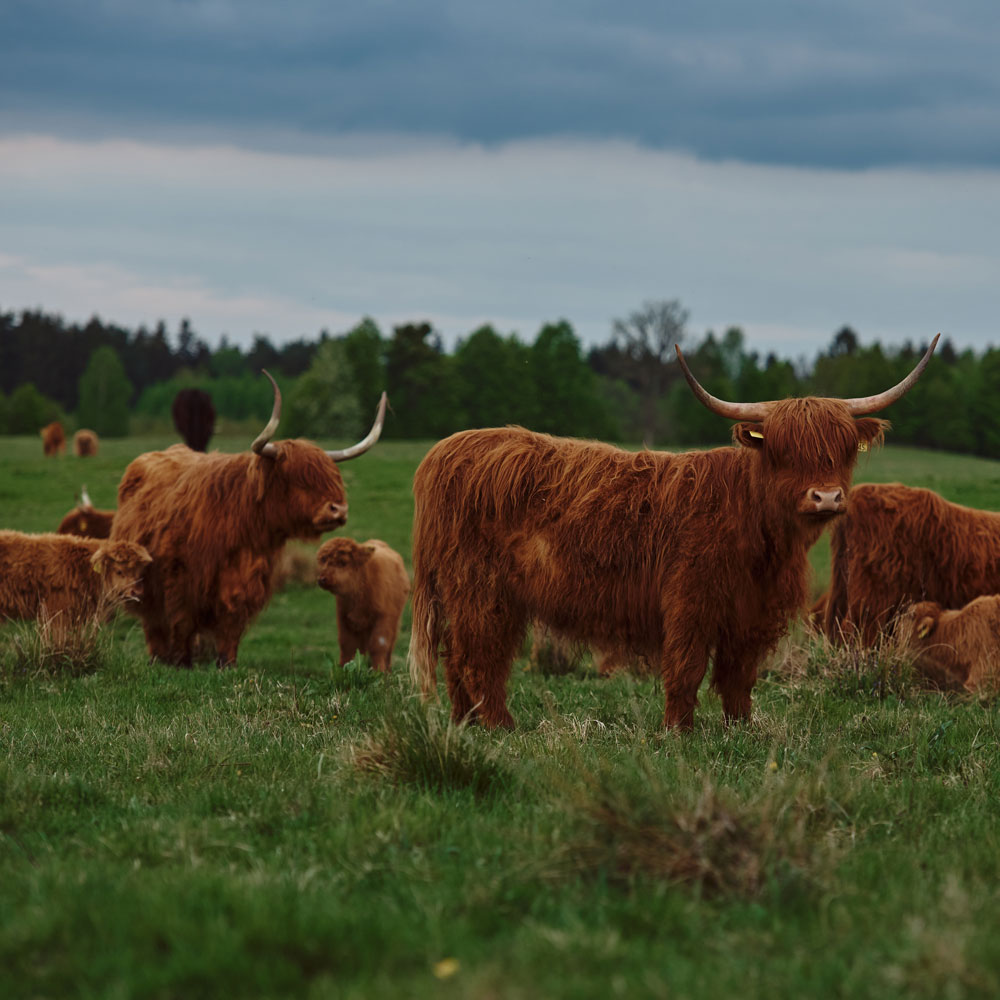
(50, 569)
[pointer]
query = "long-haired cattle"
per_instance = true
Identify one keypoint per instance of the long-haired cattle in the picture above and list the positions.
(956, 649)
(86, 520)
(85, 443)
(685, 556)
(76, 578)
(900, 544)
(53, 439)
(215, 525)
(194, 417)
(371, 586)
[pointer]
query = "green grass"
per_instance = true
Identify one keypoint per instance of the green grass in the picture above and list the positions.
(292, 828)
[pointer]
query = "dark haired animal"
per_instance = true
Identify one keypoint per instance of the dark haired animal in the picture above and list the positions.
(371, 585)
(686, 556)
(900, 544)
(194, 417)
(216, 523)
(86, 520)
(53, 439)
(85, 443)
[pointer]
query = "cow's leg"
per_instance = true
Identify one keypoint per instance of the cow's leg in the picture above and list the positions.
(463, 707)
(684, 662)
(483, 650)
(735, 673)
(380, 643)
(350, 642)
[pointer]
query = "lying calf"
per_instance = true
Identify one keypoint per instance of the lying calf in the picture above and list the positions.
(371, 585)
(956, 649)
(86, 520)
(76, 578)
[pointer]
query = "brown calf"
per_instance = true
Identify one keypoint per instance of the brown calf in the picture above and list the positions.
(76, 578)
(53, 439)
(687, 556)
(371, 585)
(85, 444)
(86, 520)
(956, 649)
(900, 544)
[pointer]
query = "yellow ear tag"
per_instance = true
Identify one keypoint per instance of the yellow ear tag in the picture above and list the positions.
(756, 434)
(98, 567)
(923, 631)
(83, 525)
(863, 446)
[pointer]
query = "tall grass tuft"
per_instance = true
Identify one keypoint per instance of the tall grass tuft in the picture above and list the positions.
(53, 644)
(634, 826)
(418, 744)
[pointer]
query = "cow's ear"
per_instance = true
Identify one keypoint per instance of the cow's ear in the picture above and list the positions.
(365, 552)
(749, 435)
(871, 432)
(926, 626)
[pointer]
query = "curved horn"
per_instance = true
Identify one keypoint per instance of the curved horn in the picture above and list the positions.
(733, 411)
(366, 442)
(872, 404)
(84, 499)
(261, 445)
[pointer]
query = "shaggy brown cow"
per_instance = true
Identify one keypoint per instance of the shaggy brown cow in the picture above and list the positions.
(215, 525)
(86, 520)
(371, 585)
(900, 544)
(84, 443)
(194, 417)
(53, 439)
(956, 649)
(76, 578)
(686, 556)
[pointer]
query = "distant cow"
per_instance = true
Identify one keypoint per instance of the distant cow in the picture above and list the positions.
(956, 649)
(76, 578)
(371, 586)
(216, 523)
(84, 443)
(677, 557)
(53, 439)
(194, 417)
(900, 544)
(86, 520)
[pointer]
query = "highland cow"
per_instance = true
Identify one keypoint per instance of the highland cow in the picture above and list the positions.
(75, 578)
(371, 586)
(686, 556)
(53, 439)
(86, 520)
(194, 417)
(85, 443)
(956, 649)
(216, 523)
(899, 544)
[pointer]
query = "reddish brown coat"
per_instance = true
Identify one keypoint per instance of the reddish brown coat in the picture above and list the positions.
(956, 649)
(677, 557)
(76, 578)
(53, 439)
(215, 525)
(371, 586)
(85, 443)
(87, 522)
(900, 544)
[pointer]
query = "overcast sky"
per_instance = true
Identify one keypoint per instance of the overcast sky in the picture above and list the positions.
(787, 167)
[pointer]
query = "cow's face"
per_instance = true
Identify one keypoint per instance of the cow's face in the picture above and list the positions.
(338, 561)
(121, 566)
(303, 490)
(808, 448)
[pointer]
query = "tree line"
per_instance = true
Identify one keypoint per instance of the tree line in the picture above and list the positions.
(627, 389)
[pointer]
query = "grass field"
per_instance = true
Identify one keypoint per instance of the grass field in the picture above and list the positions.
(290, 828)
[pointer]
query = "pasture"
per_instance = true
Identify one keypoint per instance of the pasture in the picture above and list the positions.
(293, 828)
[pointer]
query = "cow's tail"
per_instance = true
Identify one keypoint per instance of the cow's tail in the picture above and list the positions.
(836, 602)
(426, 633)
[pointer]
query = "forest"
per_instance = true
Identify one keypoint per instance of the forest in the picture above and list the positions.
(118, 381)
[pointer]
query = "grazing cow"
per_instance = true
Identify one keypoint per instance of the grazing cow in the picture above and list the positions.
(194, 417)
(84, 443)
(956, 649)
(677, 557)
(900, 544)
(76, 578)
(216, 523)
(86, 520)
(371, 585)
(53, 439)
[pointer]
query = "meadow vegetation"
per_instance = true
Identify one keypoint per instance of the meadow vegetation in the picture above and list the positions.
(295, 828)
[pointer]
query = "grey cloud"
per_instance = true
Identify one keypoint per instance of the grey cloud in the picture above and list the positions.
(854, 84)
